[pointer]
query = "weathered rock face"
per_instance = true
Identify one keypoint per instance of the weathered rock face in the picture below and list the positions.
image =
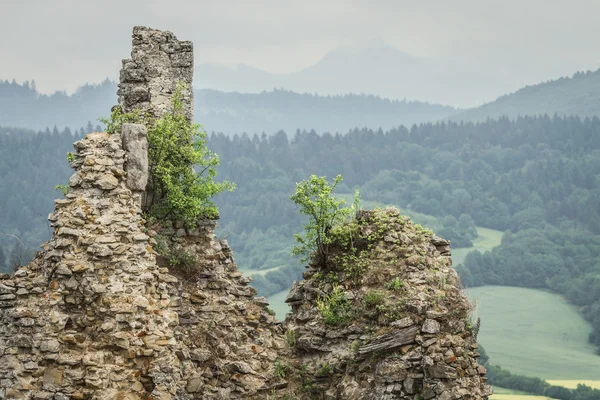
(385, 319)
(135, 144)
(158, 63)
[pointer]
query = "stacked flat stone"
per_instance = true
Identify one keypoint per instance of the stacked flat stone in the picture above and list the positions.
(90, 317)
(158, 63)
(429, 353)
(95, 317)
(230, 338)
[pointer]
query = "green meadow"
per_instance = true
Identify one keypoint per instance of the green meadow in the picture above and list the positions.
(535, 333)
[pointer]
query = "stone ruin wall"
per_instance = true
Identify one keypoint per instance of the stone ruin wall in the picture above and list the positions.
(90, 316)
(100, 315)
(158, 63)
(426, 351)
(97, 315)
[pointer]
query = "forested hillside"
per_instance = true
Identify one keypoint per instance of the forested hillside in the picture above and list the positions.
(31, 164)
(536, 177)
(577, 95)
(285, 110)
(22, 106)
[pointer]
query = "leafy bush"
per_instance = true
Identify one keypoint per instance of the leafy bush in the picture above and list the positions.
(180, 258)
(373, 299)
(117, 118)
(315, 200)
(395, 284)
(175, 190)
(175, 147)
(335, 308)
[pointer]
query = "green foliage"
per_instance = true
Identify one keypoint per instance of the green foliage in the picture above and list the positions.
(344, 235)
(395, 284)
(117, 118)
(176, 191)
(373, 298)
(180, 258)
(390, 312)
(335, 308)
(70, 157)
(314, 196)
(356, 203)
(290, 337)
(176, 149)
(281, 368)
(64, 189)
(423, 231)
(352, 264)
(324, 370)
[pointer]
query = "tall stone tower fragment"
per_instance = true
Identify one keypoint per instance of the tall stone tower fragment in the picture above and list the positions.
(158, 63)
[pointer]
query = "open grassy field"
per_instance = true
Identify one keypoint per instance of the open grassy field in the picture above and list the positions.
(486, 240)
(572, 384)
(499, 391)
(507, 394)
(502, 396)
(533, 332)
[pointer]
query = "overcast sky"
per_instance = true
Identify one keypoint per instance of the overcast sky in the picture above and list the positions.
(65, 43)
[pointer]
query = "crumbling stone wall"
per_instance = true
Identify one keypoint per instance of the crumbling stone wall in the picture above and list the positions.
(91, 316)
(231, 338)
(95, 316)
(408, 335)
(158, 62)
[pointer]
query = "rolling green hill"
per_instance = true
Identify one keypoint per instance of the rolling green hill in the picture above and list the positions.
(544, 336)
(577, 95)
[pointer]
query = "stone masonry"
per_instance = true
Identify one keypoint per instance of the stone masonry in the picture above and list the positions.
(409, 340)
(158, 63)
(91, 316)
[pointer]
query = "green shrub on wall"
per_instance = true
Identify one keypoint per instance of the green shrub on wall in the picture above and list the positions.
(182, 170)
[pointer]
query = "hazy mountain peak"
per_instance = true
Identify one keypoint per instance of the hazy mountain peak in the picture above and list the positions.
(373, 67)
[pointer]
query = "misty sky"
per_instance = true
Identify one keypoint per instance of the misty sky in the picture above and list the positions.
(65, 43)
